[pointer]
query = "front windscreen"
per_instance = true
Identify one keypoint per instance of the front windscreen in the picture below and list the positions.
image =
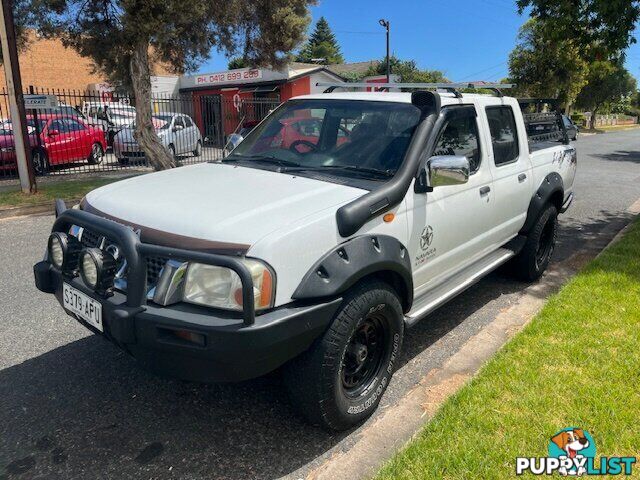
(333, 136)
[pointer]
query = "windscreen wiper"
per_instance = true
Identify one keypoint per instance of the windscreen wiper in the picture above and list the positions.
(262, 159)
(363, 171)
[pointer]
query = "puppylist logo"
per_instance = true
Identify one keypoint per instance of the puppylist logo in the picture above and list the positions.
(572, 452)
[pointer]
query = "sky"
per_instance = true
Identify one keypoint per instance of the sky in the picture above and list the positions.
(466, 39)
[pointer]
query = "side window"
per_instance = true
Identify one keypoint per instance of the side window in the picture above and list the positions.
(75, 126)
(178, 122)
(460, 138)
(187, 122)
(59, 125)
(504, 135)
(308, 128)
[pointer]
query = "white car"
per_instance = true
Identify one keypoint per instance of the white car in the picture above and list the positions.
(177, 132)
(317, 251)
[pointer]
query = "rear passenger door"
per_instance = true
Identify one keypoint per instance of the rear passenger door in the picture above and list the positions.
(511, 171)
(449, 227)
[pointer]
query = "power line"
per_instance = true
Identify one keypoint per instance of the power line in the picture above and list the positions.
(485, 70)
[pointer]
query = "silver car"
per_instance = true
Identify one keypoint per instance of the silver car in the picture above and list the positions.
(177, 132)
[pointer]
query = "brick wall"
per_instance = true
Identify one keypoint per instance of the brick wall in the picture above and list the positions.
(48, 64)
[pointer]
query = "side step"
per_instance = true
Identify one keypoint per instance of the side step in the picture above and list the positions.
(457, 284)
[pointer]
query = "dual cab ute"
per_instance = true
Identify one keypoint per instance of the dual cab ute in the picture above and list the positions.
(315, 255)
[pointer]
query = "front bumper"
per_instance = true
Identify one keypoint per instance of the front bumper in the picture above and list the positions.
(235, 348)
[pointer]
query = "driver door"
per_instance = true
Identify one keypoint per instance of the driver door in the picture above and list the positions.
(449, 226)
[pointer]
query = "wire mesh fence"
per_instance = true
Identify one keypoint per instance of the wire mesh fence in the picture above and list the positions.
(94, 132)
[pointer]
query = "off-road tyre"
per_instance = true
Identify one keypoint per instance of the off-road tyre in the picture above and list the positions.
(322, 381)
(534, 258)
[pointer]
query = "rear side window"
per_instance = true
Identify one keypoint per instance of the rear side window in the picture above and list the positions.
(460, 138)
(504, 136)
(187, 122)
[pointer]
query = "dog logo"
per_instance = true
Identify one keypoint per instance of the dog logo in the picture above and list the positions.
(572, 453)
(426, 238)
(572, 443)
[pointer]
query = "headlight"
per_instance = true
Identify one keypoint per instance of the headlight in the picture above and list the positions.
(97, 269)
(7, 149)
(221, 287)
(63, 251)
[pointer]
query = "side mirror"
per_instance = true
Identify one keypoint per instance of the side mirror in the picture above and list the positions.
(443, 171)
(53, 133)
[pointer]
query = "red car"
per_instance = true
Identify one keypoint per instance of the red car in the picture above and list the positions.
(62, 140)
(295, 132)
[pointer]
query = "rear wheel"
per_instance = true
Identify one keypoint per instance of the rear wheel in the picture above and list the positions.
(340, 380)
(40, 162)
(534, 258)
(97, 154)
(198, 151)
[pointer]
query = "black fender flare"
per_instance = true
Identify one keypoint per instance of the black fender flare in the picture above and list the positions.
(355, 259)
(550, 191)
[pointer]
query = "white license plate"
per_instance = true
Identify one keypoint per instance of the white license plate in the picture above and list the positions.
(85, 307)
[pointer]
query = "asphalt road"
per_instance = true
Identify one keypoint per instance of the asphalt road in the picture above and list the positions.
(73, 406)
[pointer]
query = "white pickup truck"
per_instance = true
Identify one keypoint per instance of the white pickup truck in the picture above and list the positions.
(338, 222)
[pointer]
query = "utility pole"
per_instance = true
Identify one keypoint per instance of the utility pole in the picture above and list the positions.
(387, 25)
(16, 99)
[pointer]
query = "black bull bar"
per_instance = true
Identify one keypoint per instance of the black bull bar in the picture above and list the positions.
(136, 253)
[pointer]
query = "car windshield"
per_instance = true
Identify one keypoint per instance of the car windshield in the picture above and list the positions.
(160, 122)
(337, 137)
(6, 127)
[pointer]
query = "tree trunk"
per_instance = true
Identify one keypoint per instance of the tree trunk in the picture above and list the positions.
(156, 154)
(593, 118)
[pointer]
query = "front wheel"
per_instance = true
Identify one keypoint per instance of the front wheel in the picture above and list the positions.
(534, 258)
(340, 380)
(97, 154)
(40, 162)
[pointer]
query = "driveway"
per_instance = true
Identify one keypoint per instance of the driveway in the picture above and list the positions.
(73, 406)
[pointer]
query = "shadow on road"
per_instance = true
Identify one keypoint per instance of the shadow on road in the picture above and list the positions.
(86, 410)
(621, 156)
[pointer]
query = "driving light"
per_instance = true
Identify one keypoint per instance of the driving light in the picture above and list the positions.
(97, 269)
(63, 251)
(221, 287)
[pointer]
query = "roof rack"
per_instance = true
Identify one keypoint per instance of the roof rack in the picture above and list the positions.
(449, 87)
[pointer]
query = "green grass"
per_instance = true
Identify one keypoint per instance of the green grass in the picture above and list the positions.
(48, 192)
(576, 364)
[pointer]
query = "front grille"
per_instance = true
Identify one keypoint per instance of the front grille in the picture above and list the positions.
(154, 267)
(90, 239)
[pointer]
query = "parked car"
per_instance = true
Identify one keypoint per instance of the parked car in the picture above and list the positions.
(313, 259)
(177, 132)
(111, 116)
(55, 140)
(572, 128)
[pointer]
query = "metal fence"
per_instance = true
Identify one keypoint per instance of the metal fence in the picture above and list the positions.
(93, 132)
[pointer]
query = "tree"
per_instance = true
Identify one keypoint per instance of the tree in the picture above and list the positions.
(123, 37)
(607, 24)
(321, 45)
(544, 67)
(607, 82)
(237, 62)
(407, 70)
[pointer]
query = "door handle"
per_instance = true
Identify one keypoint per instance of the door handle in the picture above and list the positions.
(522, 177)
(484, 191)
